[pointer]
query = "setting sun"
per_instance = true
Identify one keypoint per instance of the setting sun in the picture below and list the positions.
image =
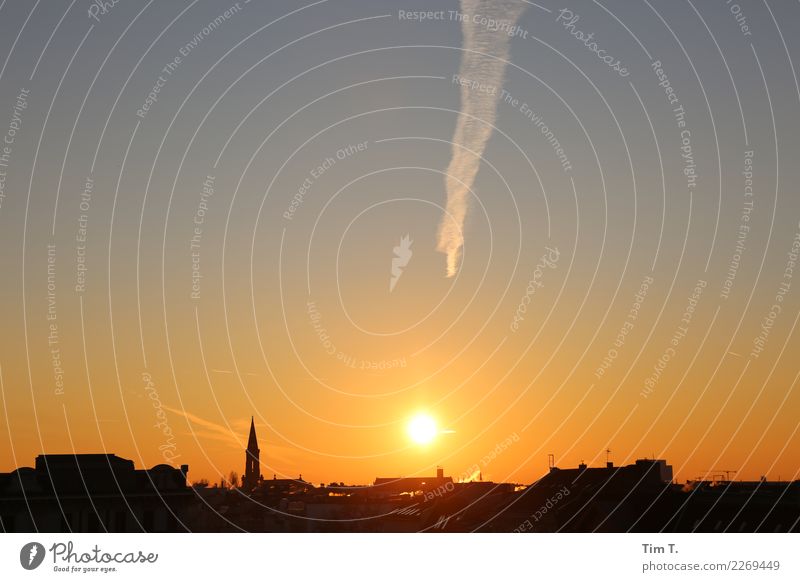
(422, 429)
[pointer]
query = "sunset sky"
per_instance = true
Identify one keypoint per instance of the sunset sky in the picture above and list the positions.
(224, 248)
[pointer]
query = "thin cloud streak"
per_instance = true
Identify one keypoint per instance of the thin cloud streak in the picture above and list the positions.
(483, 61)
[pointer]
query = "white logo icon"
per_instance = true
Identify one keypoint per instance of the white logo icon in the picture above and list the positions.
(402, 255)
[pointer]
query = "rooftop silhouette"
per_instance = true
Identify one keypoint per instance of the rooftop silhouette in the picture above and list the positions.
(104, 492)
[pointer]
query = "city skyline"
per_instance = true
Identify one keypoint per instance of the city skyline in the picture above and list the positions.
(105, 493)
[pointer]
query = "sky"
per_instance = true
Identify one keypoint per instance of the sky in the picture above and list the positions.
(203, 207)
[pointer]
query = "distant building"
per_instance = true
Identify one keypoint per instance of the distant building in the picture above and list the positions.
(388, 486)
(638, 497)
(277, 486)
(93, 493)
(652, 471)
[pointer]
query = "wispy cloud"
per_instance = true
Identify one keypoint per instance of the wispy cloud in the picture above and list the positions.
(235, 436)
(212, 430)
(486, 48)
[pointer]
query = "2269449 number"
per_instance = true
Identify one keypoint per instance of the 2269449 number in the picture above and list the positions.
(755, 565)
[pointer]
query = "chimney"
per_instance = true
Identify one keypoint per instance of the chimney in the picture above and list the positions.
(440, 473)
(609, 464)
(185, 472)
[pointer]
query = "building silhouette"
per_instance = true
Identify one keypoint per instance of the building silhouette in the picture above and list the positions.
(638, 497)
(391, 486)
(93, 493)
(103, 492)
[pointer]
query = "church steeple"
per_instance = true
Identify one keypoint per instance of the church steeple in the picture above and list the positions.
(252, 464)
(252, 442)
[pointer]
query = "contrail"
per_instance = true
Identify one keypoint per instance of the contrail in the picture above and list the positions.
(487, 26)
